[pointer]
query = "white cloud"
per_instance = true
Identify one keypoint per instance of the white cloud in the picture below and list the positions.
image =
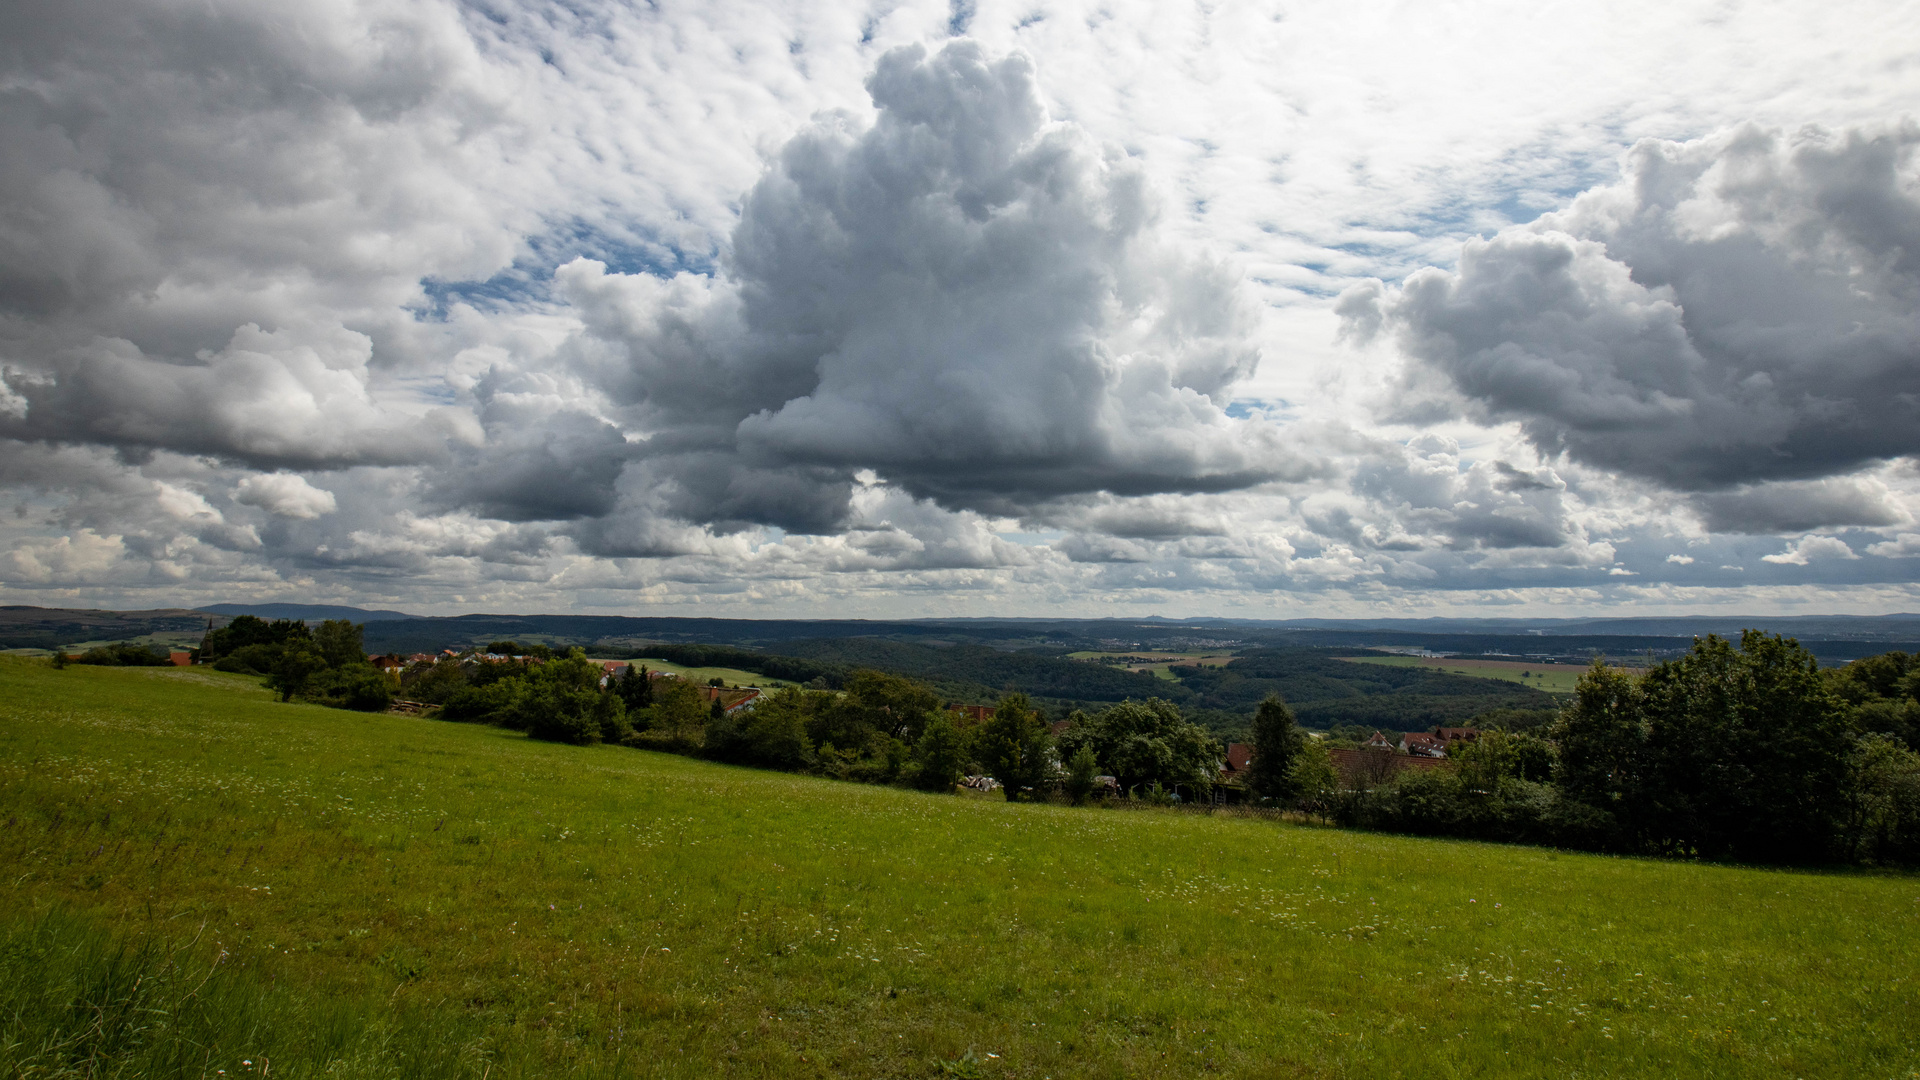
(1811, 548)
(709, 305)
(286, 494)
(1904, 546)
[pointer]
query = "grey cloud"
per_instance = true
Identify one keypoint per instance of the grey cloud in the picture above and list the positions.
(1740, 309)
(969, 300)
(1799, 505)
(269, 399)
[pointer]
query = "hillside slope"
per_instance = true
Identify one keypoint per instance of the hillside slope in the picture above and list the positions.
(429, 899)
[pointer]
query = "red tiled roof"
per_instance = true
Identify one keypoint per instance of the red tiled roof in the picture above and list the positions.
(1239, 757)
(1356, 767)
(1420, 740)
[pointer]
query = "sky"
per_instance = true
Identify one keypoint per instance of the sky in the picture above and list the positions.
(894, 310)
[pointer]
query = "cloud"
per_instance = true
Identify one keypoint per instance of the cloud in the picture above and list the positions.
(267, 399)
(963, 296)
(1799, 505)
(285, 494)
(1737, 310)
(1810, 548)
(748, 305)
(1904, 546)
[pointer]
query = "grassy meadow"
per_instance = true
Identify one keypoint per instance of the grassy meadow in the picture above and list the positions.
(1553, 678)
(733, 676)
(198, 878)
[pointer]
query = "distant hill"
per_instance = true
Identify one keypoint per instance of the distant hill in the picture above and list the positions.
(306, 612)
(53, 628)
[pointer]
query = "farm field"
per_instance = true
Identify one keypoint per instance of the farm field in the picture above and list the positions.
(371, 895)
(1160, 662)
(1553, 678)
(733, 676)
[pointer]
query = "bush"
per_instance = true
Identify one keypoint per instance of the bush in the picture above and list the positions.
(360, 687)
(122, 656)
(1436, 802)
(1884, 826)
(771, 735)
(1081, 770)
(490, 704)
(433, 683)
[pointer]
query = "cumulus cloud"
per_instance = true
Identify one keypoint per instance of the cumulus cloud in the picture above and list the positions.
(1904, 546)
(1810, 548)
(286, 494)
(1742, 309)
(685, 304)
(267, 398)
(963, 296)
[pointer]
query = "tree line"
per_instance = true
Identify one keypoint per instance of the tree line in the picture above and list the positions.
(326, 664)
(1752, 753)
(876, 728)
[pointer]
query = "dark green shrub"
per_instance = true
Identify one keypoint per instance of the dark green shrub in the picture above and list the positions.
(490, 704)
(122, 656)
(361, 687)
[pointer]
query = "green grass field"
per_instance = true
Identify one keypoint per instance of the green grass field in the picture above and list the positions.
(1553, 678)
(197, 876)
(733, 676)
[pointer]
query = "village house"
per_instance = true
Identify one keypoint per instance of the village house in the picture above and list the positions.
(977, 713)
(1238, 760)
(1363, 769)
(731, 699)
(1457, 734)
(1379, 741)
(1421, 744)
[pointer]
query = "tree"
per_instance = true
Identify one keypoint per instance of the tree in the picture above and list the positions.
(1748, 752)
(635, 687)
(1314, 781)
(340, 643)
(361, 687)
(940, 757)
(298, 662)
(1015, 746)
(894, 704)
(563, 701)
(1276, 742)
(678, 713)
(1148, 742)
(1884, 818)
(1602, 738)
(772, 734)
(1082, 769)
(434, 683)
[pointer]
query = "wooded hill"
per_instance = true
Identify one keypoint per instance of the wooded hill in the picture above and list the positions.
(1323, 690)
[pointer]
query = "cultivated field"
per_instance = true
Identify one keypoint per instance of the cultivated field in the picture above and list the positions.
(1157, 663)
(385, 896)
(733, 676)
(1553, 678)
